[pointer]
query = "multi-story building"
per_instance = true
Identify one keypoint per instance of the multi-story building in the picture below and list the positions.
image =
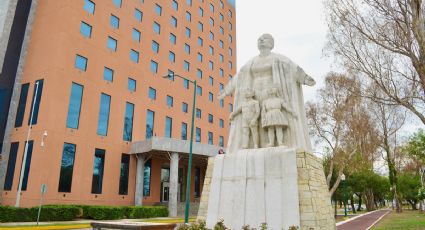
(107, 127)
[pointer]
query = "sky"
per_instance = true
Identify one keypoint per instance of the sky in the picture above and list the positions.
(299, 30)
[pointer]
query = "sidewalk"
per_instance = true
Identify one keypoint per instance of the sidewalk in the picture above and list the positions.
(362, 222)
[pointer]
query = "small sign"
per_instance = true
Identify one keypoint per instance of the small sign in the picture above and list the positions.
(43, 188)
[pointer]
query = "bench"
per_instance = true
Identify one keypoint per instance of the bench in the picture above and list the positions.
(131, 225)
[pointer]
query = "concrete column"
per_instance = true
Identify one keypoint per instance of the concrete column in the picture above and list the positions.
(174, 183)
(138, 194)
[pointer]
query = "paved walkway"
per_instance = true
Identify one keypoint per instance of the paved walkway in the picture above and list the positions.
(363, 222)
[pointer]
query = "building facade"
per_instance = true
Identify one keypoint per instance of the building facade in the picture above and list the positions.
(107, 127)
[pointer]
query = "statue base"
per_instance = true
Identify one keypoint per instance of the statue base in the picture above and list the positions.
(277, 186)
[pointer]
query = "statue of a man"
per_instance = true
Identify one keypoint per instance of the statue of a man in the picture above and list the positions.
(261, 71)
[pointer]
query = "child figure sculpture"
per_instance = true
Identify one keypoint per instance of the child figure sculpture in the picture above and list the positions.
(250, 110)
(272, 117)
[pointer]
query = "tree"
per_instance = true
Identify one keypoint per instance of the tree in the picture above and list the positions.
(409, 184)
(384, 42)
(416, 146)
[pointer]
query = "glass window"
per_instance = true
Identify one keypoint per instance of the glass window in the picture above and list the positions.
(210, 138)
(198, 135)
(154, 67)
(211, 80)
(210, 96)
(158, 9)
(184, 131)
(197, 192)
(173, 38)
(230, 38)
(230, 52)
(175, 5)
(173, 21)
(221, 123)
(108, 74)
(199, 73)
(189, 2)
(198, 113)
(138, 15)
(105, 104)
(185, 84)
(98, 171)
(221, 87)
(211, 36)
(114, 21)
(230, 65)
(221, 58)
(200, 41)
(155, 46)
(81, 62)
(221, 102)
(134, 56)
(200, 26)
(131, 85)
(221, 17)
(199, 90)
(229, 13)
(136, 35)
(170, 75)
(221, 141)
(211, 65)
(117, 3)
(221, 5)
(22, 105)
(201, 12)
(112, 44)
(221, 44)
(211, 50)
(38, 86)
(188, 16)
(221, 72)
(147, 178)
(186, 65)
(124, 171)
(231, 107)
(211, 22)
(168, 126)
(89, 6)
(150, 119)
(128, 122)
(187, 32)
(210, 118)
(230, 26)
(67, 167)
(27, 165)
(11, 164)
(184, 107)
(156, 28)
(221, 30)
(171, 57)
(187, 48)
(74, 107)
(85, 29)
(169, 101)
(152, 93)
(211, 7)
(199, 57)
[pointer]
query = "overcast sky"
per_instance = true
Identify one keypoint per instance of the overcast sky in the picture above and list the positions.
(299, 30)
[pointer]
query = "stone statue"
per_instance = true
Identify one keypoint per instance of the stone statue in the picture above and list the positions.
(250, 110)
(273, 117)
(261, 71)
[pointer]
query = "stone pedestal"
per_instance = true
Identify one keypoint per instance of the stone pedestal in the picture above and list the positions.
(277, 185)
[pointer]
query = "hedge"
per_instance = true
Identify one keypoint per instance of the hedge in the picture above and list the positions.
(72, 212)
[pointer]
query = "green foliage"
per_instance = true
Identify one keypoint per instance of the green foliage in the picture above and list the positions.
(408, 186)
(71, 212)
(421, 193)
(416, 145)
(199, 225)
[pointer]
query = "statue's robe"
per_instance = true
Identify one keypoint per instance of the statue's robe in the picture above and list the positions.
(288, 77)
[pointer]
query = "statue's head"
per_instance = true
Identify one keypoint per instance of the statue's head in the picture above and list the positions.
(265, 42)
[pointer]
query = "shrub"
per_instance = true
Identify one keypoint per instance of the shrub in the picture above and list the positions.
(106, 212)
(58, 212)
(146, 212)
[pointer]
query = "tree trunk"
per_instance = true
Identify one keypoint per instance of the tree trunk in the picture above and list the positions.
(370, 201)
(359, 208)
(412, 204)
(352, 203)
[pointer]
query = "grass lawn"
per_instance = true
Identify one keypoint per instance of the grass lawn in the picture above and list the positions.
(407, 220)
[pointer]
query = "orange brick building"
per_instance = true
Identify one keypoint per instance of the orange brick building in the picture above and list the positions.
(107, 128)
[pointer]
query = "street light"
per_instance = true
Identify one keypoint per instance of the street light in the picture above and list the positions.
(345, 194)
(189, 166)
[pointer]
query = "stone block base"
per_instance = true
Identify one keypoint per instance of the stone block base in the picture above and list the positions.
(274, 185)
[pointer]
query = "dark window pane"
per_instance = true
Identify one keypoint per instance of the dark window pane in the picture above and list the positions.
(27, 165)
(39, 88)
(98, 167)
(102, 126)
(197, 182)
(184, 131)
(150, 119)
(22, 104)
(147, 178)
(125, 168)
(74, 107)
(67, 168)
(11, 163)
(128, 122)
(198, 135)
(168, 126)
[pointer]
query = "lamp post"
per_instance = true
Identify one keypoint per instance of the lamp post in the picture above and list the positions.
(189, 166)
(344, 187)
